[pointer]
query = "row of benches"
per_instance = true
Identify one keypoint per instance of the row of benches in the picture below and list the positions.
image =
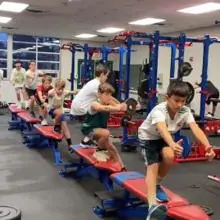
(129, 202)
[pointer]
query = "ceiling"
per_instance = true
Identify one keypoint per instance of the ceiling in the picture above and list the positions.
(64, 19)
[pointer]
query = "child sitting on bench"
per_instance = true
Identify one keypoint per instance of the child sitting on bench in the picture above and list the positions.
(95, 124)
(155, 135)
(41, 98)
(56, 99)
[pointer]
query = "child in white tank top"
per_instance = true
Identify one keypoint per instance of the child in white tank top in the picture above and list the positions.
(56, 100)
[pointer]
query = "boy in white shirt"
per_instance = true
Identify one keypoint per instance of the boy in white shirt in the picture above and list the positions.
(17, 79)
(88, 94)
(155, 135)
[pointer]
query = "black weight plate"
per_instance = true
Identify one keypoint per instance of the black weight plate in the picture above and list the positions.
(185, 69)
(131, 106)
(191, 93)
(9, 213)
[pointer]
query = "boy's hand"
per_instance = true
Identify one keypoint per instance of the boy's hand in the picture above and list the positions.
(177, 148)
(123, 107)
(210, 154)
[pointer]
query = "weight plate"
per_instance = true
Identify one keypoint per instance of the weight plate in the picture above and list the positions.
(191, 93)
(9, 213)
(185, 69)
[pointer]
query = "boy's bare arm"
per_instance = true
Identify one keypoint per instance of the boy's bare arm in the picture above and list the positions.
(106, 108)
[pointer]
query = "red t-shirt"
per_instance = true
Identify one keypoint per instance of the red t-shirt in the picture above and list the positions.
(40, 88)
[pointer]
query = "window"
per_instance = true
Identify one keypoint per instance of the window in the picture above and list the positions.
(45, 50)
(3, 52)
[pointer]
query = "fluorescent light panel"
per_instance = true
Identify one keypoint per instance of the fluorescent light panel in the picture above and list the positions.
(13, 6)
(147, 21)
(4, 20)
(85, 36)
(110, 30)
(201, 9)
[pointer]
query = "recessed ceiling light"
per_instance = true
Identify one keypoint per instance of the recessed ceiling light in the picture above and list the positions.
(4, 20)
(200, 9)
(110, 30)
(86, 36)
(13, 6)
(147, 21)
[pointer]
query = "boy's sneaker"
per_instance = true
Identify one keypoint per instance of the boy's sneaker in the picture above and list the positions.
(57, 128)
(44, 122)
(157, 212)
(161, 195)
(87, 142)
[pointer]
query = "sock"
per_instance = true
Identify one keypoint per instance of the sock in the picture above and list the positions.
(69, 141)
(152, 201)
(159, 180)
(86, 139)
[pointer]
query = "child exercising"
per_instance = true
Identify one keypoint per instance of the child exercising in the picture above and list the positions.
(95, 125)
(56, 99)
(41, 98)
(155, 135)
(17, 79)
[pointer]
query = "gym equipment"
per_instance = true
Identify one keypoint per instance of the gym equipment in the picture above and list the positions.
(191, 93)
(9, 213)
(132, 201)
(184, 69)
(214, 178)
(131, 106)
(14, 123)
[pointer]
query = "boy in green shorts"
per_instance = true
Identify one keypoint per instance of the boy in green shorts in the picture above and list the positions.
(95, 125)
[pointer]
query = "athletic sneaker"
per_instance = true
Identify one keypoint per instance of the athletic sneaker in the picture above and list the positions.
(57, 128)
(157, 212)
(161, 195)
(87, 142)
(44, 122)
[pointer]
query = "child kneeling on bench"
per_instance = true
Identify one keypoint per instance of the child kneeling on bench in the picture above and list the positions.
(155, 135)
(56, 99)
(95, 124)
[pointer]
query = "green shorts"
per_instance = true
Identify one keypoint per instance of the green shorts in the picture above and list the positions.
(151, 150)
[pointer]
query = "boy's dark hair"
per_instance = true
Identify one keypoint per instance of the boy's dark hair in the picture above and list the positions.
(106, 88)
(178, 88)
(17, 61)
(101, 68)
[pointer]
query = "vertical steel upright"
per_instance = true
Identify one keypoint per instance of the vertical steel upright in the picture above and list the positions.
(86, 52)
(121, 72)
(206, 43)
(72, 76)
(182, 42)
(153, 69)
(173, 60)
(128, 66)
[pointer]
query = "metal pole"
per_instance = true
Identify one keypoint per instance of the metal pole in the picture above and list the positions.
(72, 76)
(86, 51)
(206, 43)
(104, 52)
(173, 60)
(128, 66)
(121, 78)
(153, 70)
(182, 42)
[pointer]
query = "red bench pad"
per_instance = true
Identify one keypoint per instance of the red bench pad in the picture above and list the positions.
(87, 154)
(15, 109)
(178, 207)
(48, 131)
(28, 118)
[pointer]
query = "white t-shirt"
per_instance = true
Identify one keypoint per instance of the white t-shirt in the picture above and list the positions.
(148, 131)
(18, 77)
(85, 97)
(31, 79)
(1, 76)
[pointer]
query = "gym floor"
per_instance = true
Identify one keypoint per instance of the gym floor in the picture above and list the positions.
(29, 181)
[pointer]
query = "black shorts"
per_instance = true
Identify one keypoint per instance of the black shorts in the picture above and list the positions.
(213, 96)
(30, 92)
(152, 150)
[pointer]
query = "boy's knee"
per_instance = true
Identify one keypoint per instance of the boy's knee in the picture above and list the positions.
(105, 134)
(168, 155)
